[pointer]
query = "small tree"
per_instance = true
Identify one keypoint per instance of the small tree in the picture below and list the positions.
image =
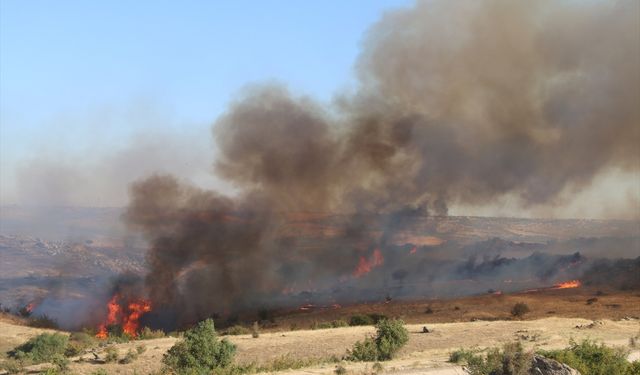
(519, 309)
(200, 352)
(390, 337)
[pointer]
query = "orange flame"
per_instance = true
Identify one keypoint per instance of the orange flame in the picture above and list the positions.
(112, 317)
(129, 320)
(568, 284)
(365, 266)
(136, 310)
(306, 307)
(30, 307)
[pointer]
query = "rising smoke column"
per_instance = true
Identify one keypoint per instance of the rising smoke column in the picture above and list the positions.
(457, 102)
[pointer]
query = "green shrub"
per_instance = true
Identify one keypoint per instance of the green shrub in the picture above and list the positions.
(377, 367)
(633, 368)
(286, 362)
(339, 323)
(511, 360)
(519, 309)
(200, 351)
(43, 348)
(11, 366)
(333, 324)
(100, 371)
(390, 337)
(129, 357)
(147, 334)
(141, 348)
(236, 330)
(591, 358)
(360, 320)
(78, 342)
(365, 350)
(461, 356)
(61, 362)
(340, 370)
(112, 354)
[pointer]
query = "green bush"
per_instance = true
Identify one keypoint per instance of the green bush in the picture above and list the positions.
(461, 356)
(78, 342)
(519, 309)
(286, 362)
(361, 320)
(112, 354)
(100, 371)
(11, 366)
(591, 358)
(43, 348)
(333, 324)
(390, 337)
(377, 367)
(339, 323)
(131, 356)
(633, 368)
(147, 334)
(236, 330)
(365, 350)
(200, 351)
(511, 360)
(366, 320)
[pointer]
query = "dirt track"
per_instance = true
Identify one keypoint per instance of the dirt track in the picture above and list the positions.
(424, 352)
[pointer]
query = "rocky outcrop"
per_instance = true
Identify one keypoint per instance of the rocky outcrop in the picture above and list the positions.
(546, 366)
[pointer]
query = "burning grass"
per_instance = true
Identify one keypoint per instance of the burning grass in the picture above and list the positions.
(124, 315)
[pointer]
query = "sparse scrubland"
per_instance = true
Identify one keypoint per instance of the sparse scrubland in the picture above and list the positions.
(588, 357)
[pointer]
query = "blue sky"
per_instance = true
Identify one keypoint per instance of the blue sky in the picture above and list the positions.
(75, 74)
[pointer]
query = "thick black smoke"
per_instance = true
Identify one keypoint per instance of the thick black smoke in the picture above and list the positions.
(458, 102)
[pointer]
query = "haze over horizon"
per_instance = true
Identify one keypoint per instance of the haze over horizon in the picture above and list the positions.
(87, 108)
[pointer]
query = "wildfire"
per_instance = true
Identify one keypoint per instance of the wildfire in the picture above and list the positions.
(306, 307)
(365, 266)
(568, 284)
(30, 307)
(413, 250)
(128, 318)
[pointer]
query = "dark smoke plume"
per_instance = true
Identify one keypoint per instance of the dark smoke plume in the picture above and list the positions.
(458, 102)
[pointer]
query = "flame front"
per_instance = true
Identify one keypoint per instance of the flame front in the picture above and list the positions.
(568, 284)
(129, 318)
(30, 307)
(112, 317)
(131, 321)
(365, 266)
